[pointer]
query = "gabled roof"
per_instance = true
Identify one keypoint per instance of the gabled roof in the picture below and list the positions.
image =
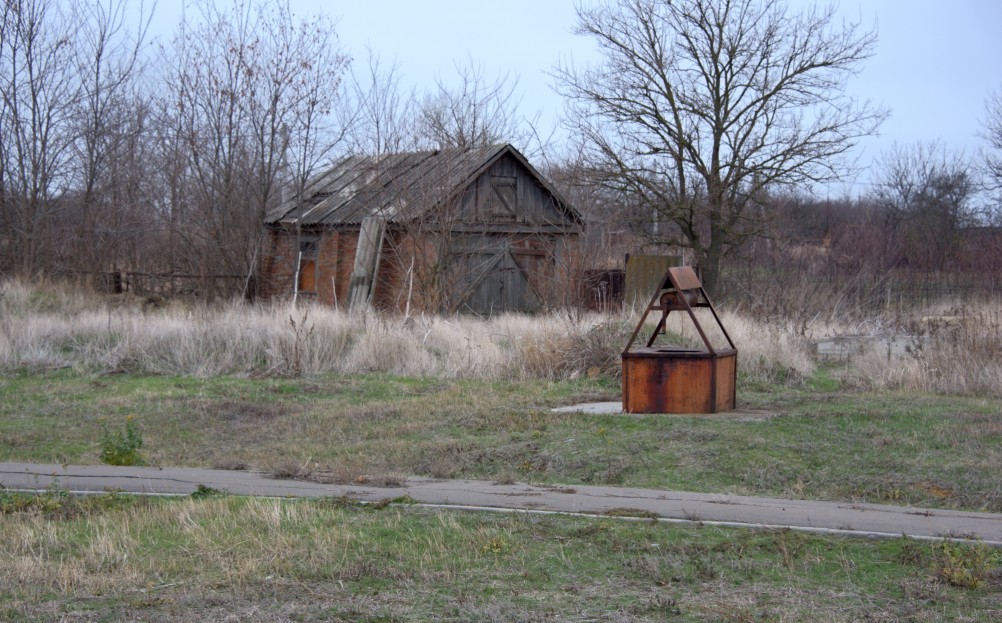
(398, 187)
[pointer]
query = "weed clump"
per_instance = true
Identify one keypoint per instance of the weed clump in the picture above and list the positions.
(203, 491)
(965, 566)
(59, 504)
(121, 447)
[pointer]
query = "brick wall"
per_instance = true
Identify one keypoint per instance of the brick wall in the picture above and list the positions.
(403, 259)
(334, 262)
(277, 265)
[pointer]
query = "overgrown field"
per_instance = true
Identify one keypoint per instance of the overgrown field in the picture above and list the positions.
(316, 394)
(813, 442)
(225, 559)
(313, 393)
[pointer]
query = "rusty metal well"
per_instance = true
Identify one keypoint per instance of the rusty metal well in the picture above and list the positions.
(670, 379)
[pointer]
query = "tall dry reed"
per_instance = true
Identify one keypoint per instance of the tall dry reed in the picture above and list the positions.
(43, 330)
(956, 351)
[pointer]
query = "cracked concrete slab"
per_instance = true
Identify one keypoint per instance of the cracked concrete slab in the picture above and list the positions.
(592, 407)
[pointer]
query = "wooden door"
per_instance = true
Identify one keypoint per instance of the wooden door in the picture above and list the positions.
(492, 281)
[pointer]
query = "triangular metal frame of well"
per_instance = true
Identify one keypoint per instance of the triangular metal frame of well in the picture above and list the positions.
(679, 380)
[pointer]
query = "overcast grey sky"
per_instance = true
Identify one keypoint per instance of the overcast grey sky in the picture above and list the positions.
(934, 65)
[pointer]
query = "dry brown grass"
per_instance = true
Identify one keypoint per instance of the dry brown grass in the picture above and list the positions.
(42, 331)
(953, 350)
(947, 350)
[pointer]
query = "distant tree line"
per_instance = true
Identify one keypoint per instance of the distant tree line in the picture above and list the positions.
(703, 130)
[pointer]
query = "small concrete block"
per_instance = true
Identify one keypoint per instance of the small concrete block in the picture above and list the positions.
(592, 407)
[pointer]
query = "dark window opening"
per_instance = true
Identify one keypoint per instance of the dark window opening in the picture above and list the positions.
(308, 250)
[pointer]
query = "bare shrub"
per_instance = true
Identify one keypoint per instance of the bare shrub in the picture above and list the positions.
(462, 347)
(20, 297)
(953, 350)
(289, 470)
(385, 349)
(538, 349)
(314, 341)
(202, 343)
(564, 346)
(767, 350)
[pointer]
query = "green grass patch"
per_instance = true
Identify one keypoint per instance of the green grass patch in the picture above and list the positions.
(328, 559)
(819, 441)
(823, 380)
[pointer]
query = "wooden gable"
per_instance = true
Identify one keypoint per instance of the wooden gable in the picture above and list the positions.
(510, 195)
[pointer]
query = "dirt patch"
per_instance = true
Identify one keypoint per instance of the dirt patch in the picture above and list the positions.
(343, 477)
(231, 464)
(240, 411)
(935, 490)
(375, 413)
(290, 470)
(335, 475)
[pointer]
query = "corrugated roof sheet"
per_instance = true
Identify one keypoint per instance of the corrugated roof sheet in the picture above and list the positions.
(397, 187)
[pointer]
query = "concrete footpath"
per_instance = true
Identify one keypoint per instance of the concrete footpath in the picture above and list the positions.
(869, 520)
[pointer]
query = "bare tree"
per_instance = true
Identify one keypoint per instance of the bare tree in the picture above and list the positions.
(38, 92)
(249, 101)
(476, 111)
(699, 106)
(108, 123)
(379, 117)
(71, 113)
(993, 133)
(208, 85)
(925, 198)
(296, 125)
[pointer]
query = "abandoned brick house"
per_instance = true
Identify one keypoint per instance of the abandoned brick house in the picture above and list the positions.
(454, 230)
